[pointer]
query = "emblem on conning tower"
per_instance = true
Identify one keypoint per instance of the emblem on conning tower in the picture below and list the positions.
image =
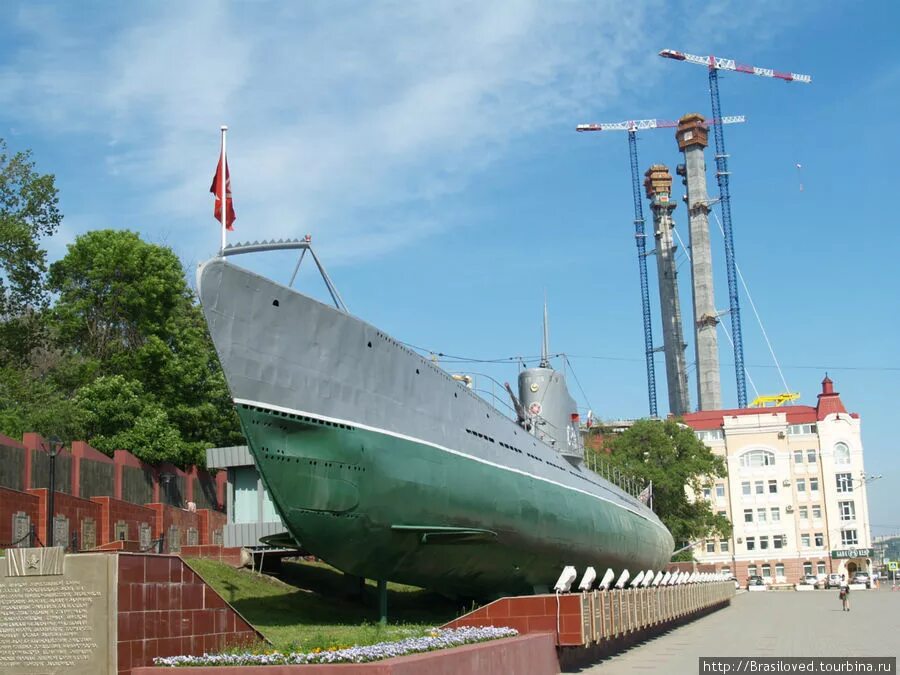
(535, 408)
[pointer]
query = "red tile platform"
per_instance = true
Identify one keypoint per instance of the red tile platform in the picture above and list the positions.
(166, 609)
(522, 655)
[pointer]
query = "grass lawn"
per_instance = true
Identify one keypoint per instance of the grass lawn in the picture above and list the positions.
(311, 605)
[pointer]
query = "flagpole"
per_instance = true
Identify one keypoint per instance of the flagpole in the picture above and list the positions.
(222, 186)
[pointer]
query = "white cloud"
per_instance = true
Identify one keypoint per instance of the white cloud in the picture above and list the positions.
(344, 116)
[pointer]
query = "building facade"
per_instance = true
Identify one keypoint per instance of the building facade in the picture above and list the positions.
(795, 490)
(250, 513)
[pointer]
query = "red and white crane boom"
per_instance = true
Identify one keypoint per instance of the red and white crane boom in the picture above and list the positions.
(641, 125)
(719, 63)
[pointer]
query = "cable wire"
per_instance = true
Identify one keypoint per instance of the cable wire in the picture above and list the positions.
(755, 312)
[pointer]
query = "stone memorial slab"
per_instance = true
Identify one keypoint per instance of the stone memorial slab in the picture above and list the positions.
(122, 530)
(217, 538)
(60, 530)
(57, 613)
(193, 537)
(145, 536)
(173, 539)
(88, 534)
(21, 526)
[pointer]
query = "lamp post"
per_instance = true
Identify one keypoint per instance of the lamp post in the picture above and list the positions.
(165, 478)
(865, 479)
(53, 447)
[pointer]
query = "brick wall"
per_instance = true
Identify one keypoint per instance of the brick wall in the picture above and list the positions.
(166, 609)
(114, 511)
(167, 516)
(73, 508)
(12, 502)
(211, 524)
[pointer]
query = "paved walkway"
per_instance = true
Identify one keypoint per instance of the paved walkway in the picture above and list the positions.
(773, 623)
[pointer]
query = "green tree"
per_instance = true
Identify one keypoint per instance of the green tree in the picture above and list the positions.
(118, 414)
(28, 212)
(124, 305)
(30, 403)
(679, 464)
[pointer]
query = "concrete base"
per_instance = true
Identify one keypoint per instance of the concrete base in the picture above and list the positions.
(804, 587)
(757, 588)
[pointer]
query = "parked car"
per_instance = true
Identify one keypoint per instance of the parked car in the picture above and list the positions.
(862, 578)
(833, 581)
(808, 579)
(755, 581)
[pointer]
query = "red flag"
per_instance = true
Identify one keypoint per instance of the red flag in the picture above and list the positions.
(216, 189)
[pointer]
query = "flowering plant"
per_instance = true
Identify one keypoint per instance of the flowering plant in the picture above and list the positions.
(436, 639)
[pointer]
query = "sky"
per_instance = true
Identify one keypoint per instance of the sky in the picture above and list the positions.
(429, 149)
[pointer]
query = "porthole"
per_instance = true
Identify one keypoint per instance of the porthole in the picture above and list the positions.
(370, 345)
(275, 303)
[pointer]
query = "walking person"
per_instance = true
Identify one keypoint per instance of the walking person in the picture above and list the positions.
(844, 594)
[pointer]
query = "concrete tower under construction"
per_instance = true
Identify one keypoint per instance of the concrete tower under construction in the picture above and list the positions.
(658, 187)
(692, 140)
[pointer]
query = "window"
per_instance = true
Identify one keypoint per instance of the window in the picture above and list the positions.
(779, 570)
(817, 511)
(844, 483)
(847, 510)
(801, 428)
(778, 541)
(707, 493)
(820, 540)
(849, 538)
(757, 458)
(726, 570)
(804, 513)
(804, 540)
(767, 570)
(751, 570)
(798, 457)
(807, 568)
(748, 515)
(723, 545)
(721, 513)
(811, 456)
(773, 487)
(760, 487)
(776, 514)
(710, 546)
(813, 484)
(761, 515)
(801, 485)
(720, 491)
(711, 434)
(745, 488)
(820, 567)
(751, 543)
(763, 543)
(841, 453)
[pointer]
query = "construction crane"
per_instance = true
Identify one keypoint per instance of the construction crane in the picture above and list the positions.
(632, 127)
(715, 64)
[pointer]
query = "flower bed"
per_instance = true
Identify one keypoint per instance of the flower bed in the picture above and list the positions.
(437, 639)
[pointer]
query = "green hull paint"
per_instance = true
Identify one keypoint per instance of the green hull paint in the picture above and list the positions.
(342, 492)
